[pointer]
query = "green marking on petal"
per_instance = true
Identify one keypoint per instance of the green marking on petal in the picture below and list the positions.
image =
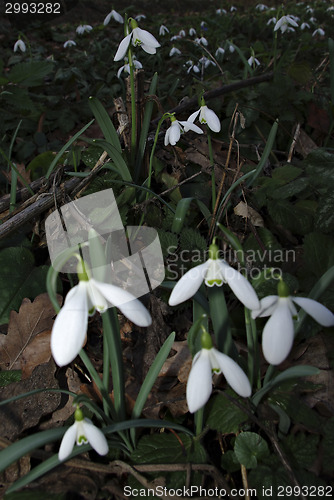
(214, 282)
(215, 370)
(82, 440)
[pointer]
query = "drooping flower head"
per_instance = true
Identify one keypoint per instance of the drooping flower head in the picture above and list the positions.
(206, 116)
(113, 15)
(207, 361)
(84, 28)
(69, 43)
(214, 272)
(19, 44)
(70, 326)
(278, 333)
(138, 37)
(83, 431)
(285, 23)
(173, 133)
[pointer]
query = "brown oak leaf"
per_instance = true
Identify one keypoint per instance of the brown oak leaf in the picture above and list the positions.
(26, 344)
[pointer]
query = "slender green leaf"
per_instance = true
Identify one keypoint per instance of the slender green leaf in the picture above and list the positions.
(145, 126)
(289, 373)
(235, 243)
(180, 214)
(117, 158)
(27, 444)
(105, 123)
(152, 375)
(64, 148)
(265, 154)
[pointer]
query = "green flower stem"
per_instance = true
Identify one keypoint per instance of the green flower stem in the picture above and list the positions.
(221, 323)
(133, 106)
(150, 168)
(106, 371)
(213, 177)
(99, 384)
(199, 416)
(113, 343)
(253, 350)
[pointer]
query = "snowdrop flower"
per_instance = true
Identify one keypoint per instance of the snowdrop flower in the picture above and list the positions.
(163, 30)
(261, 7)
(207, 116)
(214, 272)
(252, 61)
(113, 15)
(283, 23)
(221, 11)
(206, 62)
(182, 33)
(175, 37)
(278, 333)
(83, 431)
(139, 17)
(192, 67)
(206, 361)
(319, 32)
(69, 43)
(138, 37)
(137, 64)
(84, 28)
(219, 51)
(203, 25)
(231, 48)
(201, 41)
(192, 32)
(272, 20)
(313, 20)
(177, 128)
(233, 9)
(330, 9)
(174, 52)
(70, 326)
(304, 25)
(19, 44)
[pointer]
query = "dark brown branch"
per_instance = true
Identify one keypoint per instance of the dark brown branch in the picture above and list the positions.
(46, 201)
(225, 89)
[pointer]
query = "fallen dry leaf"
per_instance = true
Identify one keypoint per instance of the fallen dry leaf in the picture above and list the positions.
(33, 319)
(37, 352)
(245, 211)
(26, 413)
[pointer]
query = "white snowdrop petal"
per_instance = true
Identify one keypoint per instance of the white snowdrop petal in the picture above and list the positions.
(68, 442)
(234, 375)
(146, 37)
(188, 284)
(316, 310)
(95, 437)
(122, 48)
(70, 326)
(211, 119)
(199, 385)
(240, 286)
(267, 307)
(278, 334)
